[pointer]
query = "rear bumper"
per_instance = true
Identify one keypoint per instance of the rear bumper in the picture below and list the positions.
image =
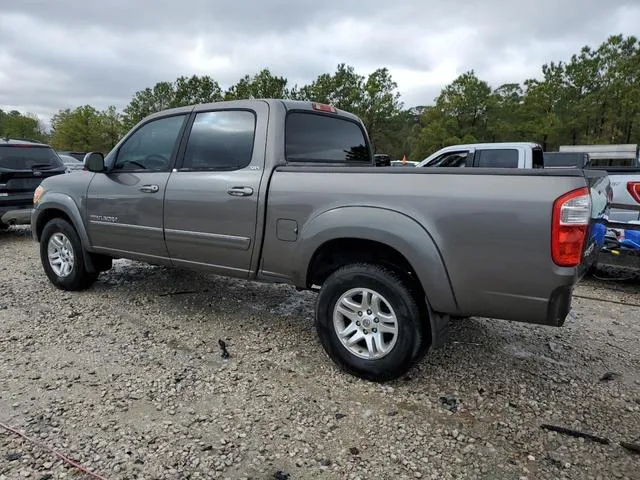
(13, 216)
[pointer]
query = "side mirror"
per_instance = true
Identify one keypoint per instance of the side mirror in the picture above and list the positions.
(94, 162)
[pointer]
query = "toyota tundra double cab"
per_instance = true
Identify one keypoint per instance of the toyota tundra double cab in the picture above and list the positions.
(284, 191)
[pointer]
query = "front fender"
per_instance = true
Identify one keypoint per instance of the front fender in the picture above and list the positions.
(63, 203)
(389, 227)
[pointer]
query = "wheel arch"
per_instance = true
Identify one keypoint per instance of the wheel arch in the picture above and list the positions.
(58, 205)
(349, 233)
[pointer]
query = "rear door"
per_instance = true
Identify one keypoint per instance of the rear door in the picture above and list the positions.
(211, 203)
(124, 205)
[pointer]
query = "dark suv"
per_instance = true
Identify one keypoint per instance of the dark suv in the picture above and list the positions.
(23, 165)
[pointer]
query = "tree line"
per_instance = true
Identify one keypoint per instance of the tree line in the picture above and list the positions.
(594, 97)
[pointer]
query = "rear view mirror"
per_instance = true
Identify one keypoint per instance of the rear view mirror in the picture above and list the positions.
(94, 162)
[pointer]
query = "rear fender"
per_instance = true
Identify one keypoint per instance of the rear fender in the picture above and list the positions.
(389, 227)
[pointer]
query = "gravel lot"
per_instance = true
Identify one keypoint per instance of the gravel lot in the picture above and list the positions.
(128, 380)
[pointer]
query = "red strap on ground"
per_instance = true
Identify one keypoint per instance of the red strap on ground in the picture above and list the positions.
(65, 459)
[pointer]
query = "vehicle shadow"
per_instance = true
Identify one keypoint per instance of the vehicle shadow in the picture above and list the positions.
(219, 303)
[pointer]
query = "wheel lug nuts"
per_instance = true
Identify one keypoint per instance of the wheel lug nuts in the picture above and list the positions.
(365, 331)
(374, 330)
(359, 314)
(376, 320)
(358, 324)
(368, 312)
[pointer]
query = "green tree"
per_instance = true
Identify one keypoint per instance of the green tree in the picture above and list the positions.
(380, 108)
(436, 131)
(111, 128)
(16, 125)
(461, 113)
(343, 89)
(86, 129)
(592, 98)
(467, 99)
(182, 92)
(375, 99)
(505, 113)
(262, 85)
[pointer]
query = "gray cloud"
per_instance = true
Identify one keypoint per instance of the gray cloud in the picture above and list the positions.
(66, 53)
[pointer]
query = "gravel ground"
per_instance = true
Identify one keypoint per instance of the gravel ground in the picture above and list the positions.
(128, 380)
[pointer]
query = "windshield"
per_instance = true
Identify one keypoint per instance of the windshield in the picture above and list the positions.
(25, 157)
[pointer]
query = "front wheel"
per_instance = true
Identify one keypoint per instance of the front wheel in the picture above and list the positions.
(62, 256)
(369, 322)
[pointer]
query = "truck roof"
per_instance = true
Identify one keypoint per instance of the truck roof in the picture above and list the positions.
(288, 105)
(496, 145)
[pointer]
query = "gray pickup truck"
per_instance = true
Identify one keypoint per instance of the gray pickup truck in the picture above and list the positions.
(288, 192)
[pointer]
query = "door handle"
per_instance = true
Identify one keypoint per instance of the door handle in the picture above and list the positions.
(240, 191)
(149, 188)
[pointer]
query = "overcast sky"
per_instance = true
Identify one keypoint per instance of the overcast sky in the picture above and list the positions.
(64, 53)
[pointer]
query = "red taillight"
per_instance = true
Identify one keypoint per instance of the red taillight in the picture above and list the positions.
(634, 190)
(321, 107)
(571, 215)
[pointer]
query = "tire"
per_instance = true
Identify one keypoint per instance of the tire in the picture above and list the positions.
(66, 244)
(397, 299)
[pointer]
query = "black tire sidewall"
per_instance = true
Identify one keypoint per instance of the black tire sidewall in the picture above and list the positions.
(401, 299)
(78, 278)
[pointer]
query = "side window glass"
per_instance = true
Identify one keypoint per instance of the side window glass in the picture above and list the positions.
(498, 158)
(450, 159)
(221, 140)
(151, 146)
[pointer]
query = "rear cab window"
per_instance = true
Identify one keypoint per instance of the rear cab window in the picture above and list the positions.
(28, 157)
(314, 138)
(497, 158)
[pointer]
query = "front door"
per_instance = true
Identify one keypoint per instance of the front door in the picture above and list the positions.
(125, 204)
(211, 204)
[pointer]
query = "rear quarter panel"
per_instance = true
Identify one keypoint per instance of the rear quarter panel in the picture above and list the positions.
(491, 232)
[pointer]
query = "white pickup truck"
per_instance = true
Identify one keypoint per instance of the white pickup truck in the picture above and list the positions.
(487, 155)
(621, 162)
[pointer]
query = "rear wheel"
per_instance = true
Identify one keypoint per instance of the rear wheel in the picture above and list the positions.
(62, 257)
(369, 322)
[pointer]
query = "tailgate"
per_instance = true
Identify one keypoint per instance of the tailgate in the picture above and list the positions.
(625, 205)
(22, 169)
(16, 186)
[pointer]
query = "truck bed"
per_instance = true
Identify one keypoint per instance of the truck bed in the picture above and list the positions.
(480, 222)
